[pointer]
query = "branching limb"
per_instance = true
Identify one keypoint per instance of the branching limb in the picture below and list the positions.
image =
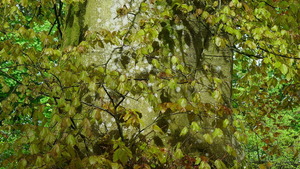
(57, 18)
(277, 54)
(109, 96)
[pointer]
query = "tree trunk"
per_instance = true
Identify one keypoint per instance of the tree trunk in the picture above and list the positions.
(210, 68)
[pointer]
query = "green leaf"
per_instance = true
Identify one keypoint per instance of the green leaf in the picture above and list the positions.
(33, 149)
(290, 75)
(277, 64)
(267, 60)
(39, 161)
(216, 95)
(71, 140)
(283, 69)
(155, 63)
(250, 44)
(174, 59)
(122, 78)
(182, 102)
(180, 67)
(93, 160)
(215, 4)
(172, 84)
(198, 161)
(205, 15)
(140, 84)
(208, 138)
(225, 123)
(274, 28)
(204, 165)
(115, 166)
(283, 49)
(184, 131)
(45, 131)
(144, 7)
(178, 153)
(144, 51)
(195, 126)
(218, 133)
(226, 10)
(122, 154)
(162, 157)
(238, 34)
(218, 41)
(169, 71)
(5, 88)
(23, 163)
(224, 18)
(157, 129)
(230, 150)
(220, 165)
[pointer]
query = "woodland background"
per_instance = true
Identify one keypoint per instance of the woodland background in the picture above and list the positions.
(48, 114)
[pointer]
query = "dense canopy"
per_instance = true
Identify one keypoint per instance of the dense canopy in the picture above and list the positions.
(54, 95)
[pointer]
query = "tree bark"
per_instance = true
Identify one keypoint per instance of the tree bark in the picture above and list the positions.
(210, 65)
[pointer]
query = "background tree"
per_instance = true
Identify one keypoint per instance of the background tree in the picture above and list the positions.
(207, 67)
(143, 84)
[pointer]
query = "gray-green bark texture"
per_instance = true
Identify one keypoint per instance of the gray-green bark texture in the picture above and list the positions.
(199, 53)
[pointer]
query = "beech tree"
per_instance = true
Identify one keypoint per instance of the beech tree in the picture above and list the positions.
(145, 83)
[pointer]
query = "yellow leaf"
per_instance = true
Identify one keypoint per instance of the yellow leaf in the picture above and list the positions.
(262, 166)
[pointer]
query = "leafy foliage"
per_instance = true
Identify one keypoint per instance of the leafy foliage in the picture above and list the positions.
(59, 111)
(271, 128)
